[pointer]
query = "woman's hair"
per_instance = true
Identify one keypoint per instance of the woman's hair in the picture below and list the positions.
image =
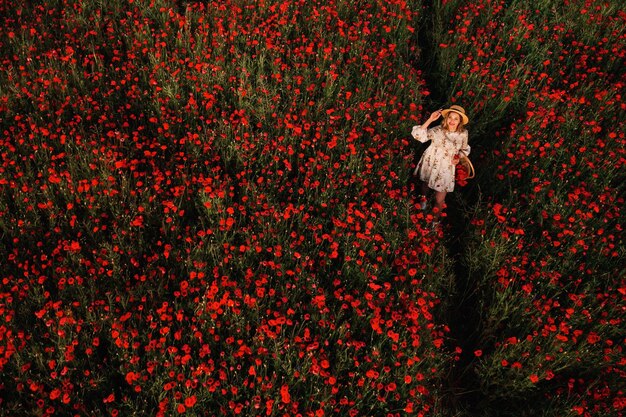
(444, 124)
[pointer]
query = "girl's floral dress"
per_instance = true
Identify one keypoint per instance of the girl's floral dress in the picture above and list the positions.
(436, 166)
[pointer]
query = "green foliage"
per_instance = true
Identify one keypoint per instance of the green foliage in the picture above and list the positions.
(206, 209)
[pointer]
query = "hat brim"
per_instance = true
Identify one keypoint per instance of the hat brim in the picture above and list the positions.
(463, 116)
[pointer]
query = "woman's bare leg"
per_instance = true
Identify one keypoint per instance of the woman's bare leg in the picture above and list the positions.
(424, 188)
(440, 199)
(423, 197)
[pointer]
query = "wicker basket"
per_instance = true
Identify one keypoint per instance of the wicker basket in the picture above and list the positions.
(464, 160)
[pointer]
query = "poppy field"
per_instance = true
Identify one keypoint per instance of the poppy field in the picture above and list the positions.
(208, 209)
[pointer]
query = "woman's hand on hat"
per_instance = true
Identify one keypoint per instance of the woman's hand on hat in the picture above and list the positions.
(435, 115)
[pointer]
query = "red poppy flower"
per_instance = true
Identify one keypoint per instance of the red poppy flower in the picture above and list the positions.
(285, 397)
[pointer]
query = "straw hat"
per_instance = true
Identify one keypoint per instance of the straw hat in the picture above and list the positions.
(457, 109)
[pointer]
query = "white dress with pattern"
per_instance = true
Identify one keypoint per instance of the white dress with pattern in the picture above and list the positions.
(436, 166)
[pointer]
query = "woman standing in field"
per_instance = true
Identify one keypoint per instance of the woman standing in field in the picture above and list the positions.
(436, 167)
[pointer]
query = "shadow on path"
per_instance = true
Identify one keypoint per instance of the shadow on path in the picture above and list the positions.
(462, 388)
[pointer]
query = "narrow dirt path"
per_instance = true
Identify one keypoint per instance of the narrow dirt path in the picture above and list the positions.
(461, 312)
